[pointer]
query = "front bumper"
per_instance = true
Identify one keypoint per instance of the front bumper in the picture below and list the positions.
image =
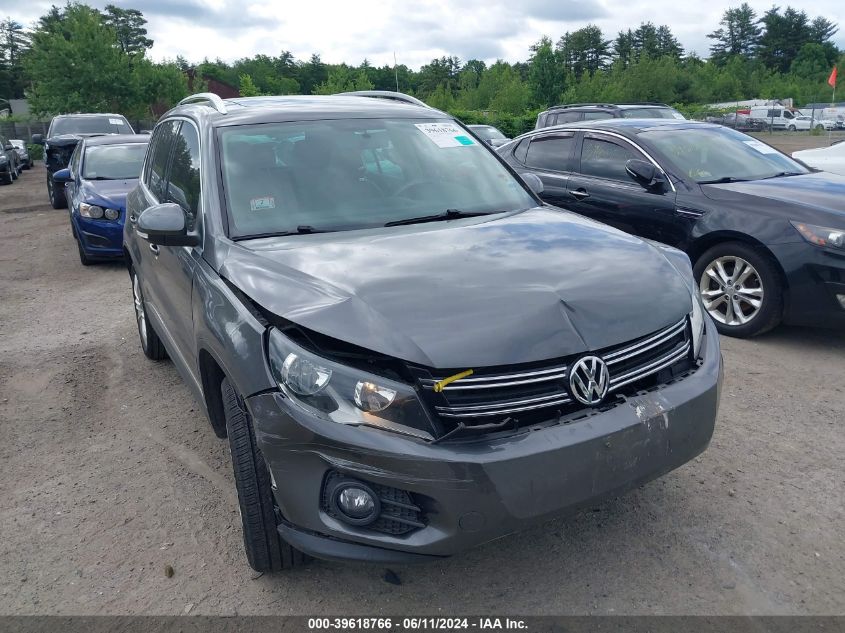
(480, 489)
(814, 276)
(100, 238)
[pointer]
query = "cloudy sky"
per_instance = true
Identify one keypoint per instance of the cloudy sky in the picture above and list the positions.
(418, 30)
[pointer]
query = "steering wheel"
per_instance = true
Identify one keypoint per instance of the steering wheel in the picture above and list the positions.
(414, 183)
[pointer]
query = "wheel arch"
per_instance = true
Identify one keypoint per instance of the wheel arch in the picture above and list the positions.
(698, 247)
(211, 376)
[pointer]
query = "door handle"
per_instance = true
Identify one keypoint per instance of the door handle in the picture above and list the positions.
(579, 194)
(154, 249)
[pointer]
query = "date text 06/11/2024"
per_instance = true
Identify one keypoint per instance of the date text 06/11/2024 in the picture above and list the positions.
(416, 624)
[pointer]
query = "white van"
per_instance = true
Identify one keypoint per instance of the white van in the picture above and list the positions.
(778, 117)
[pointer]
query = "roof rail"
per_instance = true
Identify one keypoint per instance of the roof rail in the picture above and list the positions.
(208, 98)
(582, 105)
(385, 94)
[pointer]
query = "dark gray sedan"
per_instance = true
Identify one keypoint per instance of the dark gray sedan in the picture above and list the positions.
(409, 353)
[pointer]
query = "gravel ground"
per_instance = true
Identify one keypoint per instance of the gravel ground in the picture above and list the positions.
(110, 474)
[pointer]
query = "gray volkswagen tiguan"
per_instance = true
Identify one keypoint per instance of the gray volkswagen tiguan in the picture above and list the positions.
(409, 353)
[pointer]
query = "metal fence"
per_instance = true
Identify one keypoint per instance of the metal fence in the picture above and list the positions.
(23, 129)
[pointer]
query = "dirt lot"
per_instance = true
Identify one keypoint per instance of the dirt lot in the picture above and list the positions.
(109, 474)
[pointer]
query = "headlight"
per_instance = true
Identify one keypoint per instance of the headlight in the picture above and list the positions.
(821, 236)
(112, 214)
(343, 394)
(696, 319)
(90, 211)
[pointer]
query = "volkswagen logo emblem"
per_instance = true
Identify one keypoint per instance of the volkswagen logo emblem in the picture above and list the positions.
(589, 380)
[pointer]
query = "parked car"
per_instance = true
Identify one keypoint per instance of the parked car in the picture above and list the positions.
(407, 363)
(23, 153)
(558, 115)
(489, 134)
(804, 122)
(65, 131)
(830, 159)
(102, 171)
(765, 234)
(10, 166)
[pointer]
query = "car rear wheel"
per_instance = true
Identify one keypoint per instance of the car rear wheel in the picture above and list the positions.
(150, 342)
(740, 289)
(265, 548)
(791, 128)
(56, 193)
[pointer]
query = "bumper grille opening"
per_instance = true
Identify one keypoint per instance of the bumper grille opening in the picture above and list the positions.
(399, 513)
(498, 398)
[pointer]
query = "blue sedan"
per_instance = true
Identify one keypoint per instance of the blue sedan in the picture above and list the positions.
(102, 170)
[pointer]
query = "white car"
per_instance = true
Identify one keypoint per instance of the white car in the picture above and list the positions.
(830, 159)
(803, 122)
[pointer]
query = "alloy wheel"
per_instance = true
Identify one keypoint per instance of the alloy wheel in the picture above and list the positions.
(140, 315)
(731, 290)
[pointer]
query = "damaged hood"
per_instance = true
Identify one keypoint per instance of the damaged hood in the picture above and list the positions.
(477, 292)
(109, 193)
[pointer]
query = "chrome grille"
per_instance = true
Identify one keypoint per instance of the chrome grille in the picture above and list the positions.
(483, 398)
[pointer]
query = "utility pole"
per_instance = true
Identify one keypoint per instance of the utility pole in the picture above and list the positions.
(395, 71)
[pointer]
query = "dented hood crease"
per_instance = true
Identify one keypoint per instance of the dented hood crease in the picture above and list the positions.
(527, 287)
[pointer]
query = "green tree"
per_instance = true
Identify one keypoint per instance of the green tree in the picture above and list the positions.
(14, 42)
(783, 37)
(129, 27)
(545, 74)
(739, 34)
(76, 64)
(247, 88)
(584, 51)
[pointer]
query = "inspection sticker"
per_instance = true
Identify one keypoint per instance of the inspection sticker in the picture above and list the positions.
(262, 204)
(446, 134)
(116, 121)
(761, 147)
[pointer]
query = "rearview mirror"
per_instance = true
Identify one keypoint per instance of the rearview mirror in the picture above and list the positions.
(164, 224)
(534, 183)
(645, 173)
(63, 175)
(38, 139)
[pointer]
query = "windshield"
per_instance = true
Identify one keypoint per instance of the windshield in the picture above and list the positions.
(113, 162)
(720, 154)
(357, 173)
(651, 113)
(487, 132)
(90, 125)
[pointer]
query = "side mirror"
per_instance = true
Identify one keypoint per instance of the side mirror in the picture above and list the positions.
(534, 183)
(645, 173)
(63, 175)
(164, 224)
(38, 139)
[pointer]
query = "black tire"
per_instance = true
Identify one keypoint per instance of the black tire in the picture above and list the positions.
(56, 193)
(265, 548)
(150, 342)
(83, 257)
(770, 312)
(14, 172)
(7, 177)
(792, 128)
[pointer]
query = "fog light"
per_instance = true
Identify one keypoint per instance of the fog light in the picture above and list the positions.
(841, 299)
(356, 503)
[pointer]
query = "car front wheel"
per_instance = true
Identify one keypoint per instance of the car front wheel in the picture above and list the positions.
(740, 289)
(265, 548)
(56, 193)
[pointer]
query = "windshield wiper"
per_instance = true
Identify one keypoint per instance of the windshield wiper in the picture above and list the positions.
(302, 229)
(781, 174)
(719, 181)
(449, 214)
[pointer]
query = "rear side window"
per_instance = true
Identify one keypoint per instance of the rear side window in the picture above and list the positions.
(521, 150)
(595, 116)
(183, 186)
(567, 117)
(156, 165)
(606, 159)
(550, 152)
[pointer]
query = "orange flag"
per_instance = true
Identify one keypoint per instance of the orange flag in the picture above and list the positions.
(832, 79)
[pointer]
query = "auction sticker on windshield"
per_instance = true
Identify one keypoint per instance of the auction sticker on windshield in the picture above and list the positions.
(761, 147)
(445, 134)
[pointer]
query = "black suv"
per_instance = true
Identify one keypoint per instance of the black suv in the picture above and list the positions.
(10, 165)
(64, 133)
(557, 115)
(409, 353)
